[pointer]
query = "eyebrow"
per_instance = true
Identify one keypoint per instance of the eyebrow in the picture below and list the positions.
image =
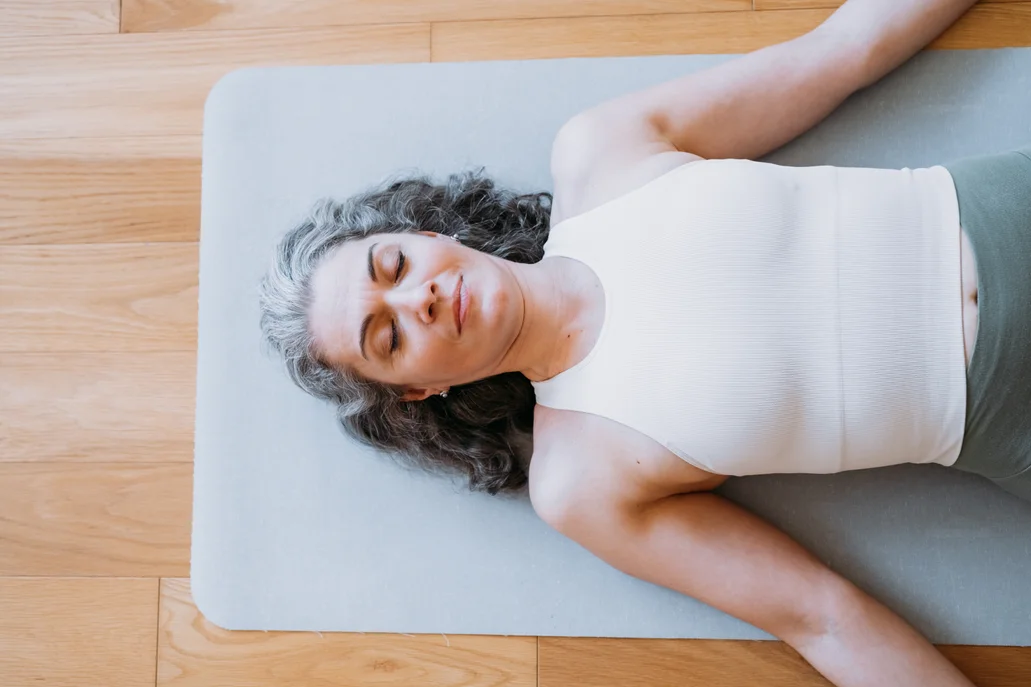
(372, 262)
(368, 318)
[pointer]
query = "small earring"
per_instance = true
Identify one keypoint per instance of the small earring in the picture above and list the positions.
(454, 237)
(443, 394)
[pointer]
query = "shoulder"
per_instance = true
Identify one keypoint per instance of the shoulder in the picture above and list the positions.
(572, 470)
(595, 159)
(584, 465)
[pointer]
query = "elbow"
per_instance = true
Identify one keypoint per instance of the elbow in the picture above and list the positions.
(831, 609)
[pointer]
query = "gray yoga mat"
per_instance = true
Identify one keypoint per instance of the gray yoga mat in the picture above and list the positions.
(297, 528)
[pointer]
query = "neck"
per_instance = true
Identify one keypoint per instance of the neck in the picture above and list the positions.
(553, 301)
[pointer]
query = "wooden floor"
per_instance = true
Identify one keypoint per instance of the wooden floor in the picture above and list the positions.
(100, 124)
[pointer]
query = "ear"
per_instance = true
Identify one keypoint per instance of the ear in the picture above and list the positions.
(419, 394)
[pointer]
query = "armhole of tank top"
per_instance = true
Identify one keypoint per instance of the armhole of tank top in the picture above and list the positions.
(627, 196)
(683, 455)
(558, 238)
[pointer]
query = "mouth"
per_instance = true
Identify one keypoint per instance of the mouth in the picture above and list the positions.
(460, 303)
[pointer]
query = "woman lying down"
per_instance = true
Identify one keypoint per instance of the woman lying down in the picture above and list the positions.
(676, 313)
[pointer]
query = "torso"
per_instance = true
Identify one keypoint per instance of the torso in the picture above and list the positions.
(644, 464)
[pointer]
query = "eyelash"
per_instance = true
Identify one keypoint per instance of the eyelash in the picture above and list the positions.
(400, 266)
(393, 323)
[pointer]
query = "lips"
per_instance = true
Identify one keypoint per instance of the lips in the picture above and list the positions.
(456, 305)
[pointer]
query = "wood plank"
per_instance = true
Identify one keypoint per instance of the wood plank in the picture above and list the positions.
(813, 4)
(992, 666)
(173, 15)
(718, 32)
(155, 84)
(23, 17)
(724, 663)
(97, 407)
(661, 663)
(68, 519)
(99, 190)
(193, 652)
(78, 632)
(99, 297)
(987, 26)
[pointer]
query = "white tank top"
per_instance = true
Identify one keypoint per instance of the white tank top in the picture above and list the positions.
(767, 319)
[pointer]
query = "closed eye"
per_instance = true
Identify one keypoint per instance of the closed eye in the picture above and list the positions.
(400, 266)
(393, 336)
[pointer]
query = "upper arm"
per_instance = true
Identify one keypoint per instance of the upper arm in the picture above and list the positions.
(617, 143)
(595, 159)
(701, 545)
(743, 108)
(612, 490)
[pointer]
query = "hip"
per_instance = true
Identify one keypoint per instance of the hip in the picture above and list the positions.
(994, 193)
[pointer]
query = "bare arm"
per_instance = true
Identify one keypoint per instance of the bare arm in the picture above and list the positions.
(706, 547)
(753, 104)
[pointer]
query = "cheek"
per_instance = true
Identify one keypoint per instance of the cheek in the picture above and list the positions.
(427, 355)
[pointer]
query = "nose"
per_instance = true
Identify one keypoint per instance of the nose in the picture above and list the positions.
(419, 300)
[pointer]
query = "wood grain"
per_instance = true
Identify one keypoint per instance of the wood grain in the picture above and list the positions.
(97, 297)
(987, 26)
(78, 632)
(58, 16)
(99, 161)
(992, 666)
(672, 663)
(193, 652)
(1005, 25)
(718, 32)
(100, 190)
(722, 663)
(170, 15)
(156, 84)
(59, 519)
(811, 4)
(97, 407)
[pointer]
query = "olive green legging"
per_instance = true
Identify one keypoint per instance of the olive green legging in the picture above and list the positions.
(995, 210)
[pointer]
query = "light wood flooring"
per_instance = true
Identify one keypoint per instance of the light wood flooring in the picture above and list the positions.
(100, 124)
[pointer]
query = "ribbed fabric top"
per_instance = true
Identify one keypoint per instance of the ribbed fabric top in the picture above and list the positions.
(768, 319)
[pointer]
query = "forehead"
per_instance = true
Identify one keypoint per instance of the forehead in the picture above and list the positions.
(340, 287)
(335, 311)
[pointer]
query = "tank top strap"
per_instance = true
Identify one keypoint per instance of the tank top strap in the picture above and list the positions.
(564, 239)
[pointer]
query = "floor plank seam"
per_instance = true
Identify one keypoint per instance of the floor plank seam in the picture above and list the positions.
(538, 671)
(430, 22)
(157, 634)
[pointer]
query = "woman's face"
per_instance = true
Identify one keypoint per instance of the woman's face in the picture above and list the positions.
(419, 311)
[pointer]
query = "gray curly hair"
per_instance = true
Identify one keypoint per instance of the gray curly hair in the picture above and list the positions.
(482, 430)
